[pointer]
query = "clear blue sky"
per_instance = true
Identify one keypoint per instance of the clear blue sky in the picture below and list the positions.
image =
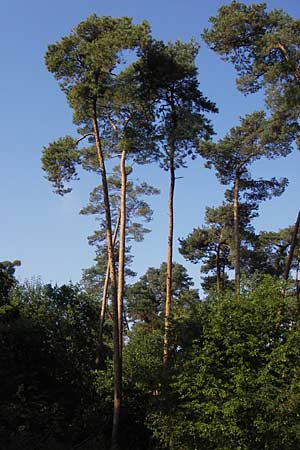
(45, 231)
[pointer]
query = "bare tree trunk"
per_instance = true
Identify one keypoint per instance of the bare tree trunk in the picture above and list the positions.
(104, 298)
(121, 264)
(111, 262)
(292, 248)
(169, 261)
(237, 242)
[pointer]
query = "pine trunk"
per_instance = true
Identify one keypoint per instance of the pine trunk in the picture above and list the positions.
(169, 261)
(111, 262)
(121, 264)
(237, 243)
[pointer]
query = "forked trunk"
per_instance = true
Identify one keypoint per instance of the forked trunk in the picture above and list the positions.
(104, 299)
(111, 262)
(237, 242)
(169, 262)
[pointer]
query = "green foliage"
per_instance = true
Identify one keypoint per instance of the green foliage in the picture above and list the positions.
(231, 157)
(244, 33)
(234, 372)
(137, 212)
(244, 144)
(204, 243)
(169, 78)
(264, 47)
(84, 61)
(131, 118)
(59, 160)
(87, 64)
(7, 280)
(47, 391)
(271, 252)
(239, 384)
(137, 209)
(211, 244)
(146, 297)
(142, 361)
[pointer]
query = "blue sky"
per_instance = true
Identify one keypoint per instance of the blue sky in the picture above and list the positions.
(45, 231)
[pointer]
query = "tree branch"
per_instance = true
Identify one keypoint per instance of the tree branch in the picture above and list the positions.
(84, 137)
(283, 51)
(243, 163)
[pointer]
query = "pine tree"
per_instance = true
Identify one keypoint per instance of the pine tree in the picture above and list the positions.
(253, 139)
(169, 76)
(85, 63)
(264, 47)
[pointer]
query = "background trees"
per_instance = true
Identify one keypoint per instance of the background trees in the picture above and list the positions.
(211, 245)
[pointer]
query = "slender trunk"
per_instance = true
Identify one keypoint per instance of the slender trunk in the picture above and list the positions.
(125, 321)
(218, 268)
(292, 248)
(121, 264)
(111, 262)
(104, 298)
(169, 261)
(237, 243)
(297, 284)
(223, 277)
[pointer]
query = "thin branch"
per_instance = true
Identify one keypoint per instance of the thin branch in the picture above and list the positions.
(84, 137)
(112, 124)
(285, 55)
(243, 163)
(283, 51)
(127, 121)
